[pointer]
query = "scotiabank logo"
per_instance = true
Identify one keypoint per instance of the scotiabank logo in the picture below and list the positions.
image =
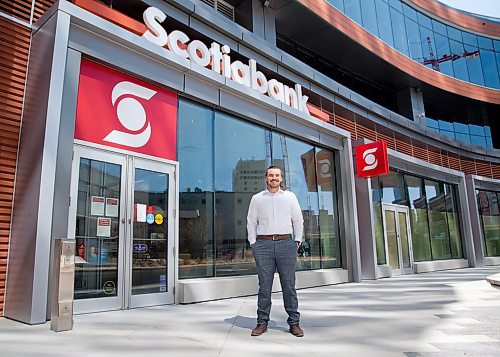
(122, 112)
(371, 159)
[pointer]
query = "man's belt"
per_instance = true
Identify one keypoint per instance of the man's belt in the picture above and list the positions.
(274, 236)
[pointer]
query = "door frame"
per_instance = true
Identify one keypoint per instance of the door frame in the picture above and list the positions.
(398, 209)
(127, 160)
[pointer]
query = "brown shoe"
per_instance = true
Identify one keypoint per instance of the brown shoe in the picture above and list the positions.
(296, 330)
(259, 330)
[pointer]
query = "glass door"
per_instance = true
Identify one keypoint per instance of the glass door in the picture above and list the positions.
(398, 238)
(121, 216)
(152, 262)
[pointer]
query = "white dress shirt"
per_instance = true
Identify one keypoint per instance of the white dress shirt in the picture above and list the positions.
(274, 213)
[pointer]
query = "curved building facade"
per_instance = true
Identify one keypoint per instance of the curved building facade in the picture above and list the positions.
(140, 130)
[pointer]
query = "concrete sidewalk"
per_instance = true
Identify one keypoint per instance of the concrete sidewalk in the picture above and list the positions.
(451, 313)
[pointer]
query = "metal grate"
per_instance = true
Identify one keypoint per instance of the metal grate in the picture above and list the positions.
(221, 7)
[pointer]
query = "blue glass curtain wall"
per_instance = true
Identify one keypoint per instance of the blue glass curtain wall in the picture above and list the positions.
(456, 53)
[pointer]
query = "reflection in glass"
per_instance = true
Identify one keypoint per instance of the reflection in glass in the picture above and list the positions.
(392, 188)
(149, 242)
(403, 234)
(240, 163)
(96, 256)
(377, 221)
(297, 160)
(453, 224)
(418, 218)
(438, 223)
(234, 167)
(489, 210)
(392, 239)
(195, 155)
(328, 211)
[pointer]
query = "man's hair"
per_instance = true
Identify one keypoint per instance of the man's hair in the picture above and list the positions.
(274, 167)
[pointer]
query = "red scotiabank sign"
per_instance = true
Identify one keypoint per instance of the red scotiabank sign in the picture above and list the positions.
(122, 112)
(372, 160)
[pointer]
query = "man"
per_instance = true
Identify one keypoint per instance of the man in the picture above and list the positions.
(275, 225)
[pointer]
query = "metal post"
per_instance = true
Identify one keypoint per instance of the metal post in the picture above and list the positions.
(64, 271)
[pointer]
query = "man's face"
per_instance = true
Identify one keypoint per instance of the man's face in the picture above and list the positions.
(273, 178)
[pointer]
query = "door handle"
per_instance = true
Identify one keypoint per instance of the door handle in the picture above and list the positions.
(123, 220)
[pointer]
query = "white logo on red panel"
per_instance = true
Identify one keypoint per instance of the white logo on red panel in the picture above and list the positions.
(370, 159)
(131, 115)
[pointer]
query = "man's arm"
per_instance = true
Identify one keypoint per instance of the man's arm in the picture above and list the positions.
(252, 221)
(297, 219)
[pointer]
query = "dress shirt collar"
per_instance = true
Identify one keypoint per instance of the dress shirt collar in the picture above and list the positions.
(267, 192)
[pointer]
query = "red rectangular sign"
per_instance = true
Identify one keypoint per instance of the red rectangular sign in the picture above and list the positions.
(371, 159)
(119, 111)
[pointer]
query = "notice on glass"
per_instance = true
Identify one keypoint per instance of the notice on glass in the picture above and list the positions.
(140, 212)
(112, 207)
(97, 206)
(103, 227)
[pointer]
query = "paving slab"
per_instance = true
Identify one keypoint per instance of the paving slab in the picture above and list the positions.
(450, 313)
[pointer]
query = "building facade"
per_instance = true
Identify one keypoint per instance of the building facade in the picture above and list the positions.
(142, 129)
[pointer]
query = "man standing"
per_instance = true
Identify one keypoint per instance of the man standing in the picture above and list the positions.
(275, 225)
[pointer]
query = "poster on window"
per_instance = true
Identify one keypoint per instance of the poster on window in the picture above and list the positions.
(140, 212)
(103, 227)
(97, 206)
(112, 207)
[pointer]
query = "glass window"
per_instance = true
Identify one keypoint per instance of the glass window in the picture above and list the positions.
(328, 211)
(446, 125)
(489, 142)
(453, 215)
(469, 38)
(353, 10)
(431, 123)
(409, 12)
(392, 189)
(450, 134)
(377, 222)
(442, 51)
(463, 137)
(478, 140)
(488, 206)
(239, 147)
(459, 65)
(384, 22)
(487, 131)
(497, 45)
(369, 16)
(196, 190)
(424, 20)
(438, 224)
(454, 34)
(418, 218)
(439, 27)
(428, 44)
(486, 43)
(477, 130)
(399, 32)
(413, 35)
(473, 60)
(297, 159)
(488, 60)
(396, 4)
(461, 128)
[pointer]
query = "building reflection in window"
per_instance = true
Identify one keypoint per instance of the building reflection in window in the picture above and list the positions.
(489, 211)
(222, 165)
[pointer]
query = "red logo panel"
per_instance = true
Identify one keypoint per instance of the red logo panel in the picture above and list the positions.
(119, 111)
(372, 160)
